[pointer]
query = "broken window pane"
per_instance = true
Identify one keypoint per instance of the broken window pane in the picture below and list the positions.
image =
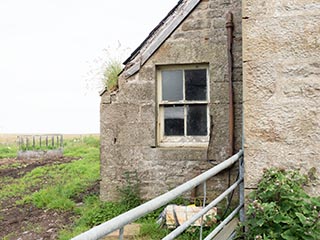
(173, 120)
(172, 85)
(196, 84)
(197, 120)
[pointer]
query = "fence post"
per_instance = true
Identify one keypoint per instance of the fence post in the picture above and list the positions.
(203, 205)
(52, 142)
(61, 142)
(241, 189)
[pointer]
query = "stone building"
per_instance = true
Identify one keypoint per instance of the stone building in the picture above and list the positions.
(169, 119)
(281, 87)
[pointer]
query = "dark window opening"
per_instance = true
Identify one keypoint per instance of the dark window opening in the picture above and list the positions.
(184, 102)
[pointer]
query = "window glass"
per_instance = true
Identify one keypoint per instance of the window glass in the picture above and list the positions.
(196, 84)
(172, 85)
(197, 120)
(173, 120)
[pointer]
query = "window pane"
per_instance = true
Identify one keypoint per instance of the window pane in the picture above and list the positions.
(173, 121)
(172, 85)
(196, 84)
(197, 120)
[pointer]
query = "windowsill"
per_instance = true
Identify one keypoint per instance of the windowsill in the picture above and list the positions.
(198, 145)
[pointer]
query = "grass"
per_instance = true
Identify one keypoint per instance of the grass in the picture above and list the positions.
(8, 150)
(63, 182)
(58, 186)
(59, 183)
(92, 213)
(111, 72)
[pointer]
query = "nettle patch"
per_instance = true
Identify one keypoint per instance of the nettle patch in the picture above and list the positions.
(281, 209)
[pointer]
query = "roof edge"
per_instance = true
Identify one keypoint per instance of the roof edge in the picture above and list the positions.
(157, 36)
(135, 52)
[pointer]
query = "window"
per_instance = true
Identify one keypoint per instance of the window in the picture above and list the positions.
(183, 112)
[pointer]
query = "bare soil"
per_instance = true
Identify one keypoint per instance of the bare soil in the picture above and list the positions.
(26, 222)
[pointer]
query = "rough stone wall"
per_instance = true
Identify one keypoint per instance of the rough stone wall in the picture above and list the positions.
(281, 49)
(128, 116)
(30, 154)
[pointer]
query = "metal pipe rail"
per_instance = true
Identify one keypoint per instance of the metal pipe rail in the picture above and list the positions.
(128, 217)
(198, 215)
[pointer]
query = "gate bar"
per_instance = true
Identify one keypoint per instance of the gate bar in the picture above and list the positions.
(132, 215)
(194, 217)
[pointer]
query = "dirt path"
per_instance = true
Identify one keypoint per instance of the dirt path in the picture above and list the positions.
(26, 222)
(17, 168)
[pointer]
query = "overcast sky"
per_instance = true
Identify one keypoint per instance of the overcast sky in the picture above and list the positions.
(51, 51)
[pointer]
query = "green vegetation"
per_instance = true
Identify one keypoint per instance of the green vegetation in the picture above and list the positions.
(59, 183)
(57, 186)
(130, 191)
(8, 150)
(95, 212)
(281, 209)
(151, 230)
(92, 213)
(65, 188)
(111, 72)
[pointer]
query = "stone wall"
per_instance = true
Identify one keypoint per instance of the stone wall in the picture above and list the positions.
(128, 116)
(281, 49)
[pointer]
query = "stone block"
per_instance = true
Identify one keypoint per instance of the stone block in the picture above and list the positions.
(136, 91)
(280, 157)
(219, 23)
(147, 73)
(109, 136)
(219, 92)
(260, 84)
(215, 13)
(237, 92)
(297, 8)
(147, 113)
(258, 8)
(137, 134)
(281, 121)
(218, 71)
(237, 74)
(197, 24)
(222, 4)
(281, 39)
(106, 98)
(179, 154)
(120, 113)
(130, 231)
(203, 5)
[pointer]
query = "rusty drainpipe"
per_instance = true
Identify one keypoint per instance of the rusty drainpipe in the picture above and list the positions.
(229, 26)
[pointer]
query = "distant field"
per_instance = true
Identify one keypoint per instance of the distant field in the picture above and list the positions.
(12, 138)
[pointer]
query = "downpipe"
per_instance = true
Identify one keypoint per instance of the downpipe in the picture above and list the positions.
(229, 26)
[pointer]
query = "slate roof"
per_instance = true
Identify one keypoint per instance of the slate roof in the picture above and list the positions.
(158, 35)
(136, 51)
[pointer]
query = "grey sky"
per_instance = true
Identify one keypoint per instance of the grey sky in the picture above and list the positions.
(50, 51)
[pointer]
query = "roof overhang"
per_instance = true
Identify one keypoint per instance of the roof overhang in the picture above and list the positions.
(158, 35)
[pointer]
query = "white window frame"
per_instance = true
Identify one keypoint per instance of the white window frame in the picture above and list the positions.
(181, 141)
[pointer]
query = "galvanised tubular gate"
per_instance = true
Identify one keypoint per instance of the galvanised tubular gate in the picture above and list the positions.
(122, 220)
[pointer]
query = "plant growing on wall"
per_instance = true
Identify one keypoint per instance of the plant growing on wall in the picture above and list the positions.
(281, 209)
(110, 75)
(104, 69)
(130, 191)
